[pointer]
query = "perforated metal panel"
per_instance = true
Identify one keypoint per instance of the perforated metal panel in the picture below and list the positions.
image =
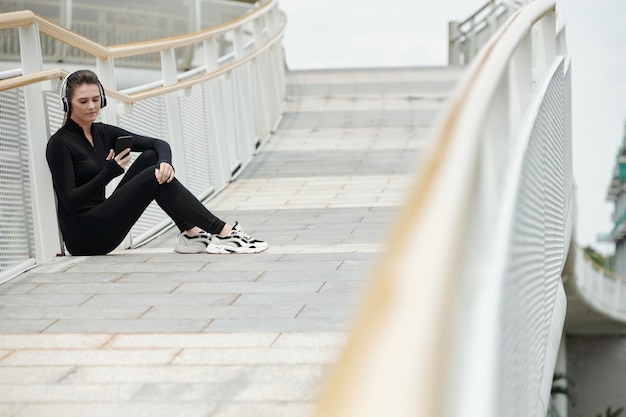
(147, 118)
(536, 257)
(229, 110)
(197, 130)
(16, 222)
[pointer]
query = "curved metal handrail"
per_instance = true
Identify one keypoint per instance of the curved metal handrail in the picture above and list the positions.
(26, 18)
(396, 358)
(22, 18)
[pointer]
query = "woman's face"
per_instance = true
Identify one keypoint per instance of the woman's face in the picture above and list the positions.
(85, 103)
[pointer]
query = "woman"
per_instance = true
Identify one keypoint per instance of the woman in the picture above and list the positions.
(82, 162)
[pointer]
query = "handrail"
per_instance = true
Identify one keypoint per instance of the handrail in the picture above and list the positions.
(12, 20)
(35, 77)
(394, 361)
(600, 268)
(25, 18)
(120, 51)
(50, 74)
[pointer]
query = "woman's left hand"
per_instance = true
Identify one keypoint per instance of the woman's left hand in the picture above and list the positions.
(164, 173)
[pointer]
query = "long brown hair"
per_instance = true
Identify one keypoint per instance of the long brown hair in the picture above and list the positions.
(74, 80)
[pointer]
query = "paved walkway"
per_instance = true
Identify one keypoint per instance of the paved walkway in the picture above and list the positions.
(152, 333)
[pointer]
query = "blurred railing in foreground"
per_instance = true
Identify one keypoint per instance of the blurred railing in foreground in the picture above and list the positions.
(467, 307)
(214, 116)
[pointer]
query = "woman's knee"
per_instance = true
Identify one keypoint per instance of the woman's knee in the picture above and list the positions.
(147, 158)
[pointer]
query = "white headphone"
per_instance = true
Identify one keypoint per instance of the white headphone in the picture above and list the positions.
(65, 103)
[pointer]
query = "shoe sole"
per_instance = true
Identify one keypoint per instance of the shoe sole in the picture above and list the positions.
(216, 249)
(244, 250)
(187, 251)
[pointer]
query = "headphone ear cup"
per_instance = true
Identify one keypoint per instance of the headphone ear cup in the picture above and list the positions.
(103, 100)
(65, 106)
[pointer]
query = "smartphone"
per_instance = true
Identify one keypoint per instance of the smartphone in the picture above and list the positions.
(122, 143)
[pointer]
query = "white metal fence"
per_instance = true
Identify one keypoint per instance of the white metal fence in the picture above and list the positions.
(214, 117)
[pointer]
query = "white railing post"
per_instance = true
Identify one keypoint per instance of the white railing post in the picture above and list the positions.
(520, 83)
(45, 226)
(245, 134)
(544, 37)
(263, 89)
(174, 120)
(219, 157)
(453, 43)
(65, 15)
(106, 74)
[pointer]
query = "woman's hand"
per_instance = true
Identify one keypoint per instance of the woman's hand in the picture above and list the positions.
(122, 159)
(164, 173)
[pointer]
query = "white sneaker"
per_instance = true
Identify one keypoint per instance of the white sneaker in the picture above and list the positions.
(200, 243)
(237, 241)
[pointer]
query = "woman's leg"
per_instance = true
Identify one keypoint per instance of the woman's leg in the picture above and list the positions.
(105, 226)
(148, 159)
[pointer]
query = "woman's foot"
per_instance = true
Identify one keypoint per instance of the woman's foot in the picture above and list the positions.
(237, 241)
(197, 243)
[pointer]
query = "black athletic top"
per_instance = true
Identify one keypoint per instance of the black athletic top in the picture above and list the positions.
(80, 171)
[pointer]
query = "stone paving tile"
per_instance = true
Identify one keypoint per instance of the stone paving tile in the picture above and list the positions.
(298, 325)
(151, 299)
(71, 312)
(197, 340)
(251, 287)
(27, 375)
(135, 325)
(118, 264)
(61, 278)
(134, 409)
(66, 341)
(107, 288)
(223, 312)
(294, 339)
(163, 374)
(189, 277)
(264, 409)
(42, 299)
(283, 383)
(296, 298)
(277, 266)
(84, 393)
(257, 356)
(77, 357)
(24, 326)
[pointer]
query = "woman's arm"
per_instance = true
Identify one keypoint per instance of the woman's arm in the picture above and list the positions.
(140, 143)
(60, 162)
(165, 170)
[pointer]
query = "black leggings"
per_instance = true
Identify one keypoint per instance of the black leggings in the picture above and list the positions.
(104, 227)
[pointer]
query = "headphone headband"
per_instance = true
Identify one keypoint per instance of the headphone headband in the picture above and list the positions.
(65, 102)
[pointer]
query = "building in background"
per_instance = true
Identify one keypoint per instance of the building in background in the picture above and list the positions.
(617, 194)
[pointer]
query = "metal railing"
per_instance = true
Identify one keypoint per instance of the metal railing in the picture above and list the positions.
(214, 117)
(602, 290)
(467, 306)
(467, 37)
(117, 22)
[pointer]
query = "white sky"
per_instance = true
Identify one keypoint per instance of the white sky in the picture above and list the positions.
(362, 33)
